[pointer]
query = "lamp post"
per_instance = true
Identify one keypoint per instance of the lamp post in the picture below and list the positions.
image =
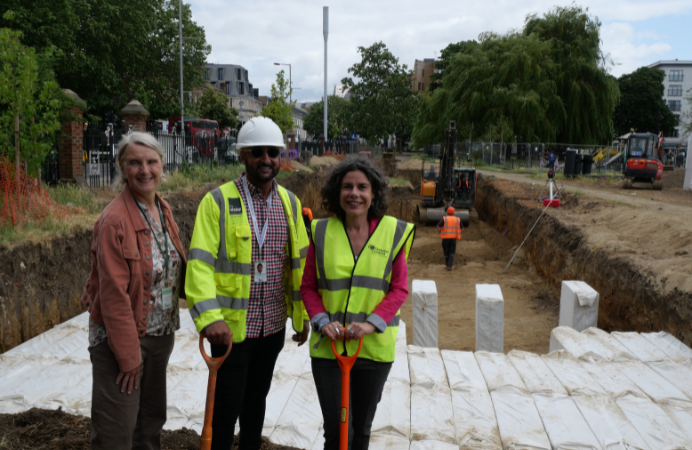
(290, 83)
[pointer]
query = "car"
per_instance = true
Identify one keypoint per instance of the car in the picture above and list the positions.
(225, 147)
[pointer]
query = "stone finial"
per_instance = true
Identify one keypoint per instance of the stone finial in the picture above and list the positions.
(134, 108)
(78, 101)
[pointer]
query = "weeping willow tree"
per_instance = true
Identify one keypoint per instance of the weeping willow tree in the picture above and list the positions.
(546, 83)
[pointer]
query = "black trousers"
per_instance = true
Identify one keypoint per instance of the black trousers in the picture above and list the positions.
(367, 382)
(449, 246)
(242, 385)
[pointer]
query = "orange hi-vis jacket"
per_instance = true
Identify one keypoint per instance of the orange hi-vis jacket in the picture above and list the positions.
(463, 182)
(451, 229)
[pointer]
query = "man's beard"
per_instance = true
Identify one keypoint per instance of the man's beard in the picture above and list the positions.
(254, 175)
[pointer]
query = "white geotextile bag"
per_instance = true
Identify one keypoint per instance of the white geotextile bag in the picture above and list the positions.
(571, 374)
(80, 321)
(301, 419)
(536, 375)
(283, 385)
(399, 370)
(186, 399)
(670, 345)
(424, 297)
(640, 346)
(187, 325)
(432, 417)
(621, 352)
(55, 344)
(463, 371)
(653, 424)
(426, 367)
(319, 440)
(609, 424)
(432, 445)
(564, 424)
(681, 415)
(386, 442)
(475, 424)
(185, 353)
(578, 345)
(650, 382)
(518, 420)
(677, 374)
(499, 372)
(578, 305)
(490, 316)
(612, 380)
(393, 416)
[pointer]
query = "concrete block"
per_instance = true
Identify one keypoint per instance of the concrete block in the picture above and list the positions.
(490, 310)
(578, 305)
(424, 313)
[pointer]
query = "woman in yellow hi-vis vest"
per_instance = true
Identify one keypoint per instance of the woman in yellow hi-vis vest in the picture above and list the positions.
(353, 286)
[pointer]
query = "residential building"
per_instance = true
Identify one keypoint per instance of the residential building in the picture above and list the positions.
(341, 91)
(421, 74)
(234, 81)
(299, 115)
(676, 84)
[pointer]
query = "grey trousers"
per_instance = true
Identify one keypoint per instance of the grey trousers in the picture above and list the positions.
(449, 247)
(130, 421)
(367, 382)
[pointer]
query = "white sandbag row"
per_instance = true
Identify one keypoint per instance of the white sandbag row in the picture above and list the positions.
(424, 299)
(578, 305)
(609, 425)
(655, 427)
(670, 345)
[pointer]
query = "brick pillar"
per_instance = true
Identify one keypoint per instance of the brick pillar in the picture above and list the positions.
(136, 115)
(70, 144)
(291, 139)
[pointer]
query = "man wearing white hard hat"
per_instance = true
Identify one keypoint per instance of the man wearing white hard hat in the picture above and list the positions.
(245, 267)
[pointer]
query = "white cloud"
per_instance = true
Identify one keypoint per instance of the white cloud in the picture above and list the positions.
(257, 34)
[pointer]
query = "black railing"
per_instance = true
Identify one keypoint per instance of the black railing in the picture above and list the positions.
(50, 168)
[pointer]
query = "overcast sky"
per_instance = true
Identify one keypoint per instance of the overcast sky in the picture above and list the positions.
(256, 34)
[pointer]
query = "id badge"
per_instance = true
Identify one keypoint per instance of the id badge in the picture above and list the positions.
(167, 296)
(260, 271)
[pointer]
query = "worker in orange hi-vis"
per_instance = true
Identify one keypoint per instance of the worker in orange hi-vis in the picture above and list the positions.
(450, 228)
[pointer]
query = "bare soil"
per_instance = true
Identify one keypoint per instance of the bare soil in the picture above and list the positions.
(42, 429)
(531, 306)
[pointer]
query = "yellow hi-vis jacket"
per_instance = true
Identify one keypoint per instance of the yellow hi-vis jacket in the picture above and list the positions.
(350, 289)
(219, 264)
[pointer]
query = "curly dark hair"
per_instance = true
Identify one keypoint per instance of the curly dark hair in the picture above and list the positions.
(331, 192)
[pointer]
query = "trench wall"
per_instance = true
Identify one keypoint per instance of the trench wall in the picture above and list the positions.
(628, 299)
(41, 285)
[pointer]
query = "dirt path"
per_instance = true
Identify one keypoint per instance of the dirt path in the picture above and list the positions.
(640, 196)
(530, 306)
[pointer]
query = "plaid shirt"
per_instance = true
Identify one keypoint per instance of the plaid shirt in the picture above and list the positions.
(266, 314)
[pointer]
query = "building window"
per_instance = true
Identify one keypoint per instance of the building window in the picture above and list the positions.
(423, 72)
(419, 86)
(675, 105)
(675, 75)
(207, 74)
(249, 80)
(241, 88)
(675, 90)
(221, 73)
(237, 72)
(674, 134)
(228, 88)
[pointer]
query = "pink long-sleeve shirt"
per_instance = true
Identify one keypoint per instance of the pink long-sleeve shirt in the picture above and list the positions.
(386, 310)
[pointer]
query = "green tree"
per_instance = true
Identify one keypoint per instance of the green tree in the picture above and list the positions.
(27, 90)
(444, 60)
(314, 121)
(381, 101)
(112, 52)
(279, 109)
(641, 103)
(214, 105)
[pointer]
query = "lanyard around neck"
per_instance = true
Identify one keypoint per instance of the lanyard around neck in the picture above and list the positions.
(260, 236)
(166, 256)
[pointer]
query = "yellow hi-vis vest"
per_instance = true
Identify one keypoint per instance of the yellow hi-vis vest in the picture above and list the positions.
(219, 264)
(350, 289)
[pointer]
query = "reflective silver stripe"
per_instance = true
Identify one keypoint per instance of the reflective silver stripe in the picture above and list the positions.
(304, 250)
(217, 195)
(377, 284)
(394, 322)
(319, 239)
(359, 317)
(233, 267)
(398, 234)
(334, 285)
(201, 255)
(233, 303)
(296, 293)
(294, 206)
(295, 263)
(204, 306)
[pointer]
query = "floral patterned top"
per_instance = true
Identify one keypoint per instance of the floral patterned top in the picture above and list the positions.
(161, 321)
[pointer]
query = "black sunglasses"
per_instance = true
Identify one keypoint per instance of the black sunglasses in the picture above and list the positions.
(258, 152)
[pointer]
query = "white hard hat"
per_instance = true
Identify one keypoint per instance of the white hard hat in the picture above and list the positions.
(260, 131)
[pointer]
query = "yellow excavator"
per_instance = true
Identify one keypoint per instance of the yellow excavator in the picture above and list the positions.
(452, 186)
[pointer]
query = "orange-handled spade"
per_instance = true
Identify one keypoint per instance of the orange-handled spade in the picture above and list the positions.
(345, 363)
(213, 364)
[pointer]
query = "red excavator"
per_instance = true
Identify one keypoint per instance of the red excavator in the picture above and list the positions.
(643, 161)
